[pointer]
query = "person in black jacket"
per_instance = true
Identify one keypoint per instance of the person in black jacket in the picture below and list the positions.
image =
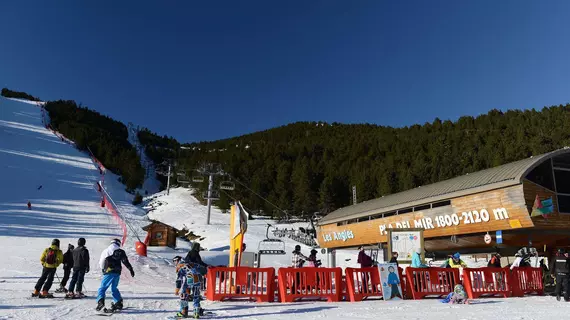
(394, 259)
(80, 268)
(110, 263)
(495, 261)
(561, 269)
(67, 266)
(194, 255)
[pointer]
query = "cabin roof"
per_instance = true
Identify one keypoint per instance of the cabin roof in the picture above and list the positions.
(153, 223)
(494, 178)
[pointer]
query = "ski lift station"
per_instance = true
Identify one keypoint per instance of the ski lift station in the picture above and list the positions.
(520, 204)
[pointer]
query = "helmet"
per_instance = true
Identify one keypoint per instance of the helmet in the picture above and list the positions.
(419, 250)
(314, 251)
(81, 242)
(55, 242)
(297, 248)
(456, 256)
(70, 247)
(116, 241)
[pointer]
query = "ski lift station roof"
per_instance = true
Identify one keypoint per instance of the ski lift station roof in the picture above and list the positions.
(506, 175)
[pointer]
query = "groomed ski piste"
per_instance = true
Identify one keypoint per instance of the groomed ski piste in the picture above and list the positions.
(67, 206)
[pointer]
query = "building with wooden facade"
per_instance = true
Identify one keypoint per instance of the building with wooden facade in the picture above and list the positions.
(524, 203)
(160, 235)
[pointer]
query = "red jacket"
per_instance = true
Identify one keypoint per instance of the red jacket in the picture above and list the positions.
(364, 260)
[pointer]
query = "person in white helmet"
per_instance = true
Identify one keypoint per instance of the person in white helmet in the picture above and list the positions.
(110, 263)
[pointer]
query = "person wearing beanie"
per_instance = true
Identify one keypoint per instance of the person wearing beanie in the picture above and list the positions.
(51, 258)
(67, 266)
(110, 262)
(80, 268)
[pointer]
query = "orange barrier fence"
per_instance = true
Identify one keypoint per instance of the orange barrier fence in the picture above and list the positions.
(224, 283)
(111, 208)
(480, 282)
(438, 282)
(320, 283)
(362, 283)
(527, 280)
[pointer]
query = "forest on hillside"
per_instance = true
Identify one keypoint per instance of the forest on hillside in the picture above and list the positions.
(311, 167)
(105, 137)
(18, 94)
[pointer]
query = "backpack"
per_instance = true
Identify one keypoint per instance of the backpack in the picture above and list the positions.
(51, 256)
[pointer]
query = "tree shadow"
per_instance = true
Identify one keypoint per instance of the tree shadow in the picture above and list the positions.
(281, 312)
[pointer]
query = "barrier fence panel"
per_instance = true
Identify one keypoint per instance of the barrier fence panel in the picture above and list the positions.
(224, 283)
(487, 282)
(299, 283)
(406, 291)
(527, 280)
(362, 283)
(438, 282)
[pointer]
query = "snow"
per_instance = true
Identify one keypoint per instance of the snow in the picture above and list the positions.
(67, 206)
(150, 184)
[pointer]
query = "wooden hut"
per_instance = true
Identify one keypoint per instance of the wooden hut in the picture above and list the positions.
(161, 235)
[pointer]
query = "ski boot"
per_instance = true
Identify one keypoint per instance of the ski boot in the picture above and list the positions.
(46, 295)
(36, 293)
(183, 313)
(116, 306)
(198, 312)
(69, 295)
(79, 295)
(558, 297)
(100, 304)
(61, 290)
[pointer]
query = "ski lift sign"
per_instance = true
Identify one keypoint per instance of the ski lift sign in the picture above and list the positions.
(487, 238)
(405, 242)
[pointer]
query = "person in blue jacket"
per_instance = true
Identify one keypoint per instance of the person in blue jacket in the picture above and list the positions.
(417, 259)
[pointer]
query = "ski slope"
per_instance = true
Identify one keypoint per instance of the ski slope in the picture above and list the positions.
(67, 206)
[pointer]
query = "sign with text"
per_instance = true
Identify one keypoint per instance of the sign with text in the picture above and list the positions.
(448, 220)
(342, 235)
(405, 242)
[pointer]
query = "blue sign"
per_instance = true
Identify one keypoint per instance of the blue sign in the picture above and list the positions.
(499, 236)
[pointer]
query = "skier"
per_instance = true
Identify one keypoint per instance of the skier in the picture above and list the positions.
(363, 259)
(80, 268)
(110, 263)
(51, 258)
(456, 262)
(189, 277)
(67, 266)
(561, 269)
(312, 259)
(29, 205)
(297, 261)
(458, 296)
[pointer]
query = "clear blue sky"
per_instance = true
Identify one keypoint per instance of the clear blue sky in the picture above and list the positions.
(204, 70)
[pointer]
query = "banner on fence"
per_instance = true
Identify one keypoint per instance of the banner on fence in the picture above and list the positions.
(390, 279)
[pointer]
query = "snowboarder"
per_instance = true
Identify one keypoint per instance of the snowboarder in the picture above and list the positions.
(80, 268)
(110, 264)
(458, 296)
(189, 277)
(561, 269)
(194, 255)
(456, 262)
(29, 205)
(51, 258)
(67, 266)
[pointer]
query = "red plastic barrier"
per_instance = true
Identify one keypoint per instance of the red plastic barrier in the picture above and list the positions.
(362, 283)
(111, 208)
(487, 282)
(140, 248)
(527, 280)
(406, 291)
(438, 282)
(298, 283)
(225, 283)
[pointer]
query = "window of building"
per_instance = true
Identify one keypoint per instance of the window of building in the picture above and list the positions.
(407, 210)
(441, 204)
(542, 175)
(563, 203)
(561, 161)
(158, 235)
(562, 181)
(424, 207)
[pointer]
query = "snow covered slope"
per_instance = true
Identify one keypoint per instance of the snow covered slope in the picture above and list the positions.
(67, 207)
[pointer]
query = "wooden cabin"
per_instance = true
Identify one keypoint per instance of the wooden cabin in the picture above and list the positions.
(161, 235)
(524, 203)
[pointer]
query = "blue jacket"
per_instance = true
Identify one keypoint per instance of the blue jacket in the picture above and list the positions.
(393, 279)
(417, 261)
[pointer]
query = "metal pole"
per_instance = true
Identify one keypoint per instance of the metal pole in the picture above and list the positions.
(168, 181)
(210, 185)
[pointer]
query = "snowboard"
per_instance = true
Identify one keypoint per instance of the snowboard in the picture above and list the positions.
(206, 315)
(108, 312)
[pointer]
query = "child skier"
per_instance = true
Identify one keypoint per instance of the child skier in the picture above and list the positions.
(110, 263)
(67, 266)
(51, 258)
(458, 296)
(189, 278)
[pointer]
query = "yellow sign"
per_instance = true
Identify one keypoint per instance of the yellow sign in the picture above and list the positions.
(515, 223)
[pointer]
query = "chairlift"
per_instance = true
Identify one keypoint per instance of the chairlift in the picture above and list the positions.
(214, 196)
(181, 173)
(270, 246)
(183, 179)
(227, 185)
(198, 179)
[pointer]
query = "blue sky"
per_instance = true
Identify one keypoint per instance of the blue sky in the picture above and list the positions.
(205, 70)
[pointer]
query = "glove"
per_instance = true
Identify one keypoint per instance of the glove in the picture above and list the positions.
(87, 270)
(132, 273)
(177, 291)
